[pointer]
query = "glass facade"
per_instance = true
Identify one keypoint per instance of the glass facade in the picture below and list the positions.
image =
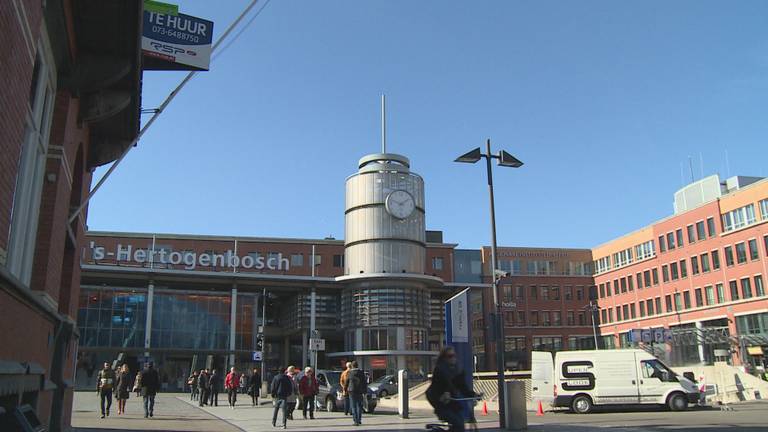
(384, 306)
(191, 321)
(112, 317)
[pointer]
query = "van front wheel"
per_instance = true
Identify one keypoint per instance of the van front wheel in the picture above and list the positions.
(677, 402)
(581, 404)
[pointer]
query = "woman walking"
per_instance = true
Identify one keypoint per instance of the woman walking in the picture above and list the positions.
(123, 388)
(254, 387)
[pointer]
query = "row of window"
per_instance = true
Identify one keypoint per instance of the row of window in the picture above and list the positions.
(695, 233)
(743, 216)
(538, 319)
(744, 288)
(546, 268)
(543, 292)
(739, 253)
(540, 343)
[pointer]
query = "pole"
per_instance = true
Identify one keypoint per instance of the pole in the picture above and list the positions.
(263, 335)
(383, 123)
(313, 313)
(499, 321)
(592, 311)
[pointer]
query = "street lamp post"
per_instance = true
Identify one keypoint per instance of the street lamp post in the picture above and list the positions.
(507, 160)
(592, 307)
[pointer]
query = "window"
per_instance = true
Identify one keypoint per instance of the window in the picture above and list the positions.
(695, 265)
(608, 288)
(720, 293)
(338, 260)
(557, 319)
(679, 234)
(700, 234)
(318, 259)
(738, 218)
(705, 262)
(25, 210)
(639, 280)
(668, 301)
(625, 310)
(649, 306)
(570, 318)
(711, 227)
(610, 315)
(683, 269)
(632, 310)
(655, 272)
(602, 290)
(662, 244)
(533, 292)
(699, 298)
(507, 293)
(580, 292)
(657, 302)
(623, 284)
(665, 273)
(647, 278)
(670, 241)
(674, 271)
(545, 293)
(534, 318)
(630, 285)
(753, 252)
(741, 253)
(582, 319)
(519, 293)
(715, 260)
(618, 313)
(759, 289)
(654, 369)
(616, 286)
(678, 302)
(746, 288)
(710, 293)
(763, 209)
(554, 293)
(644, 250)
(603, 316)
(602, 265)
(687, 299)
(545, 319)
(691, 233)
(734, 290)
(297, 260)
(437, 263)
(728, 256)
(622, 258)
(642, 309)
(521, 318)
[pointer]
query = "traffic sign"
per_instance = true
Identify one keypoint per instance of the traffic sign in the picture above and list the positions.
(316, 344)
(256, 356)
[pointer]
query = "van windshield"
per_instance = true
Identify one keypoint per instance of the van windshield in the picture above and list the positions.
(656, 369)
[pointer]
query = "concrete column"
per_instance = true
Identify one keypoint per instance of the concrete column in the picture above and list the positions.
(232, 324)
(700, 342)
(148, 321)
(304, 348)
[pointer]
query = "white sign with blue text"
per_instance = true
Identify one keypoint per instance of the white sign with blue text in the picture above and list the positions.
(180, 39)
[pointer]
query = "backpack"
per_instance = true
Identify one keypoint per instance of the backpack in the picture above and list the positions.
(356, 382)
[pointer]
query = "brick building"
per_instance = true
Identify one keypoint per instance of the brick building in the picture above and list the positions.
(70, 101)
(700, 274)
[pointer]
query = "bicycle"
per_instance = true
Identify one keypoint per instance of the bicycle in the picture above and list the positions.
(468, 416)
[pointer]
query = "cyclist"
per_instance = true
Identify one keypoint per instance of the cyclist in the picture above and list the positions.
(449, 383)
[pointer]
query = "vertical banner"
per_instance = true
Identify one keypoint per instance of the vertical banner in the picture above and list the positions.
(457, 332)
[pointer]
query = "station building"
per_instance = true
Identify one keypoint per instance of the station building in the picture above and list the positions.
(699, 274)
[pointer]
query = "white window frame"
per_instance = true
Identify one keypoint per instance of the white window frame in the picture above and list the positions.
(29, 180)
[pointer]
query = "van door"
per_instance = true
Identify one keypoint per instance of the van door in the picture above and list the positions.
(542, 376)
(616, 378)
(655, 380)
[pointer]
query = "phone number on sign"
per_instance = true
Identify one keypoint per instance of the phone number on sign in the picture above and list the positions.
(175, 34)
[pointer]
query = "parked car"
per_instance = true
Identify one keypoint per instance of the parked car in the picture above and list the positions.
(384, 386)
(329, 395)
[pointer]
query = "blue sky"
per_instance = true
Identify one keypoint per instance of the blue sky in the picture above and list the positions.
(602, 100)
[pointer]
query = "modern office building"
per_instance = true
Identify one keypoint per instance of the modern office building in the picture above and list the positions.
(700, 274)
(70, 101)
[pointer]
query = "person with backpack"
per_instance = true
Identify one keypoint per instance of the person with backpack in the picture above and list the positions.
(357, 388)
(282, 388)
(448, 383)
(104, 384)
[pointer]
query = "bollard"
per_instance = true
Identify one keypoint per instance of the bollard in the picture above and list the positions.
(402, 393)
(515, 415)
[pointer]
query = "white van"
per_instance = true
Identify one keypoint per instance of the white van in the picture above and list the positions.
(580, 380)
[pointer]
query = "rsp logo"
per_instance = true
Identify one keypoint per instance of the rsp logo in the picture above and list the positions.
(583, 380)
(170, 49)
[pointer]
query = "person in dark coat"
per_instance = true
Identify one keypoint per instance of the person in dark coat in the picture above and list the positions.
(202, 385)
(149, 383)
(214, 383)
(104, 385)
(357, 387)
(194, 392)
(123, 387)
(448, 382)
(282, 388)
(308, 388)
(254, 387)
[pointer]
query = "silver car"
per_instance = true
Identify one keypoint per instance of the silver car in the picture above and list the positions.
(384, 386)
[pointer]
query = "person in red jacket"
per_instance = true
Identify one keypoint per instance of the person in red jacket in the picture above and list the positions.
(308, 387)
(232, 384)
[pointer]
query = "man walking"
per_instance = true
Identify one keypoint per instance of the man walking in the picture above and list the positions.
(254, 387)
(104, 385)
(343, 384)
(149, 383)
(202, 385)
(308, 387)
(232, 384)
(357, 388)
(214, 382)
(281, 389)
(192, 381)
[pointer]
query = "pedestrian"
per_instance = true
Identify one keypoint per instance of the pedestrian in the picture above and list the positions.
(214, 383)
(104, 384)
(254, 387)
(148, 384)
(193, 390)
(308, 387)
(232, 383)
(448, 383)
(356, 388)
(282, 388)
(293, 399)
(343, 385)
(123, 386)
(202, 385)
(242, 383)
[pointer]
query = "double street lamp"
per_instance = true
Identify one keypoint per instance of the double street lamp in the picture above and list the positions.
(506, 160)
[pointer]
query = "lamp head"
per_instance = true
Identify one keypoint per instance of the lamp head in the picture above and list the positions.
(470, 157)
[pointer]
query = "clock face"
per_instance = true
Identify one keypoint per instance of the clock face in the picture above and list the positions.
(400, 204)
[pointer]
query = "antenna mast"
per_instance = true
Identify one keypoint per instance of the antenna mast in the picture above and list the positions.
(383, 123)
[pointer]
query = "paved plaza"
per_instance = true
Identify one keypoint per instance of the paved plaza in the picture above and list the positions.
(175, 413)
